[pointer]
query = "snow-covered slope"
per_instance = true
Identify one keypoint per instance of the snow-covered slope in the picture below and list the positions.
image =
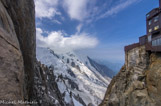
(77, 79)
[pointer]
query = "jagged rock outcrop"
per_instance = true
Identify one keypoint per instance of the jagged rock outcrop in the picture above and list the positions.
(138, 84)
(46, 91)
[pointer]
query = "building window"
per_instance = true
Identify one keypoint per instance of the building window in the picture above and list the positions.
(156, 42)
(149, 22)
(156, 27)
(150, 30)
(149, 38)
(156, 18)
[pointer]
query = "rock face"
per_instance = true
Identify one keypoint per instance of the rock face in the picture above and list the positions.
(11, 60)
(136, 56)
(138, 84)
(17, 44)
(153, 78)
(22, 14)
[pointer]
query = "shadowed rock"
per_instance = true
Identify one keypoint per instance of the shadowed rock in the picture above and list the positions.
(17, 44)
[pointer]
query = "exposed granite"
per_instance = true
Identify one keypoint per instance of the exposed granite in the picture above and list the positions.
(22, 13)
(11, 60)
(18, 51)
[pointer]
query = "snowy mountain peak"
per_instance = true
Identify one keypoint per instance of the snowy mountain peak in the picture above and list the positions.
(77, 79)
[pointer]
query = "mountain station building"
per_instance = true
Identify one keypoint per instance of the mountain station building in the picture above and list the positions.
(152, 39)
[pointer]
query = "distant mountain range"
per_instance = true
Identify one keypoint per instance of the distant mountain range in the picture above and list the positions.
(102, 69)
(114, 66)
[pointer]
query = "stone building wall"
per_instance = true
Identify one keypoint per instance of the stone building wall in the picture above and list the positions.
(136, 57)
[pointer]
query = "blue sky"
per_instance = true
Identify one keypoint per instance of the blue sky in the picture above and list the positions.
(98, 28)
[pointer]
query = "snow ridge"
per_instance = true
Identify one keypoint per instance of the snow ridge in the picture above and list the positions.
(79, 82)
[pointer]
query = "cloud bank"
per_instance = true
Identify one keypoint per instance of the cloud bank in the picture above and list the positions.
(57, 41)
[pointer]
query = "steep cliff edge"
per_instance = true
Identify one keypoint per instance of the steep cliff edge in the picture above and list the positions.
(11, 60)
(139, 81)
(22, 14)
(17, 44)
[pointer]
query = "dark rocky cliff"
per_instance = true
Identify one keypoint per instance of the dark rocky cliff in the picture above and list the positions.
(138, 83)
(17, 24)
(22, 14)
(11, 59)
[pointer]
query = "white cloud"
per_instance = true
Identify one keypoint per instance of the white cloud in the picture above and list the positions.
(117, 8)
(88, 10)
(58, 42)
(76, 9)
(56, 21)
(46, 8)
(81, 10)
